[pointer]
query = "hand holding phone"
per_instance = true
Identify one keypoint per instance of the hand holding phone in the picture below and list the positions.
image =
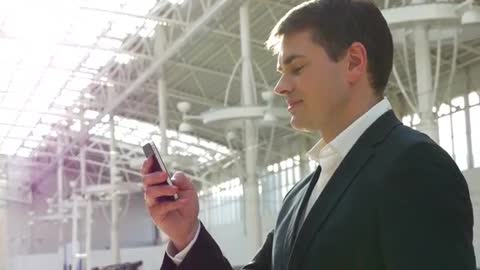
(151, 151)
(177, 214)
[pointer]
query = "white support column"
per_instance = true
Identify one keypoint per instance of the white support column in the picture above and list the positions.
(114, 243)
(88, 234)
(83, 162)
(162, 115)
(3, 236)
(75, 249)
(468, 129)
(82, 245)
(161, 91)
(252, 209)
(61, 240)
(468, 121)
(423, 67)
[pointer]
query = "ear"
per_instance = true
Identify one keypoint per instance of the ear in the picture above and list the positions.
(357, 62)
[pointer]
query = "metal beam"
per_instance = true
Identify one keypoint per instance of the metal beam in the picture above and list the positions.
(175, 46)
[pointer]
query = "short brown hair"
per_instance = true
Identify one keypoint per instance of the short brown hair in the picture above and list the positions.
(335, 25)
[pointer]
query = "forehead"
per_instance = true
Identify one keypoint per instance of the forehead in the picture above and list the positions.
(298, 43)
(294, 42)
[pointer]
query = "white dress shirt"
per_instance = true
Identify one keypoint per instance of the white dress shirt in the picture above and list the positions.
(329, 156)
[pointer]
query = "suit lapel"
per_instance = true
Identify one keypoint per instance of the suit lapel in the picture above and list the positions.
(298, 212)
(351, 165)
(301, 198)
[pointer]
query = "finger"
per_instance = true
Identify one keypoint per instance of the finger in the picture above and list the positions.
(154, 192)
(147, 164)
(180, 180)
(154, 178)
(148, 202)
(162, 209)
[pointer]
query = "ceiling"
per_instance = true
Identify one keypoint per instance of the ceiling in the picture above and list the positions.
(68, 65)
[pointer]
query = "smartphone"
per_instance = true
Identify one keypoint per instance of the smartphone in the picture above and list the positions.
(150, 150)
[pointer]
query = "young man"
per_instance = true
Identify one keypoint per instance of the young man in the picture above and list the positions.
(384, 196)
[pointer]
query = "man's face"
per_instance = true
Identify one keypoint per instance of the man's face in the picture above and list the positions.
(313, 85)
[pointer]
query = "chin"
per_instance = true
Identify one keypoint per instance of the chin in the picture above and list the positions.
(300, 126)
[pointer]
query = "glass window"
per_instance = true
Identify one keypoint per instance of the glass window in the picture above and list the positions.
(407, 120)
(460, 139)
(445, 133)
(473, 98)
(415, 119)
(459, 102)
(475, 128)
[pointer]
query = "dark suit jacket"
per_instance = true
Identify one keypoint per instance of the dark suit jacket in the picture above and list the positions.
(396, 202)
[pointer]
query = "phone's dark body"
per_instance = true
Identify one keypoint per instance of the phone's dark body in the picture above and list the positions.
(150, 150)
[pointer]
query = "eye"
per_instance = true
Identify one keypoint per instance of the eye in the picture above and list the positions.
(297, 70)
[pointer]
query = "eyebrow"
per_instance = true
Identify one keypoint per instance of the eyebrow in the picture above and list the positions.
(289, 60)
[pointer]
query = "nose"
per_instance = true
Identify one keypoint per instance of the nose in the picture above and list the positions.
(283, 87)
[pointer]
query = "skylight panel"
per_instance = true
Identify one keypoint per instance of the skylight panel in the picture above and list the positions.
(138, 7)
(68, 57)
(127, 24)
(109, 43)
(98, 58)
(148, 28)
(24, 152)
(57, 111)
(121, 132)
(147, 128)
(187, 139)
(4, 129)
(106, 118)
(218, 156)
(38, 104)
(196, 150)
(89, 114)
(49, 23)
(40, 130)
(10, 146)
(100, 130)
(178, 144)
(52, 80)
(67, 97)
(19, 132)
(14, 100)
(202, 160)
(7, 116)
(31, 144)
(131, 139)
(78, 84)
(176, 2)
(123, 58)
(37, 57)
(4, 79)
(86, 26)
(104, 4)
(50, 119)
(76, 126)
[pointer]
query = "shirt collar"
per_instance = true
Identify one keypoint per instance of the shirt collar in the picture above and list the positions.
(341, 145)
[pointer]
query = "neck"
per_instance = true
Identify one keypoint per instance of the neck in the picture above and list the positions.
(344, 117)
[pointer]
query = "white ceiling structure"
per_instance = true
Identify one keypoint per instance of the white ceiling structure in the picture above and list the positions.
(68, 65)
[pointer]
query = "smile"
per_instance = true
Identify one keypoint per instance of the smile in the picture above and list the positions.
(292, 105)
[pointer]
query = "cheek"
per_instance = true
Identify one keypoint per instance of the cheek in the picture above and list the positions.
(321, 86)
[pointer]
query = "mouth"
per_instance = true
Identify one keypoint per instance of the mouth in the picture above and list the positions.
(293, 104)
